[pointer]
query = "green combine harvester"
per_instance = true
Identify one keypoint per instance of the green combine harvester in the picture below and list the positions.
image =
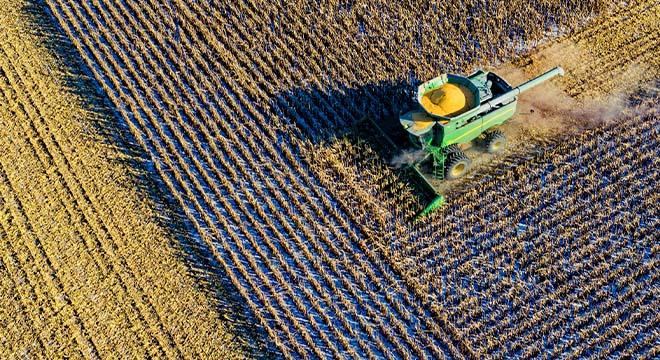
(454, 110)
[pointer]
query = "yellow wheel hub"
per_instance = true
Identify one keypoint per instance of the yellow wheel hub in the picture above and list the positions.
(458, 170)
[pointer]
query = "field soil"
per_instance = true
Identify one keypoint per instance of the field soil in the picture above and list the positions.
(606, 63)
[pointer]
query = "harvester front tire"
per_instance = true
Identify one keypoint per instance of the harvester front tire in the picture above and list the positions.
(494, 142)
(456, 165)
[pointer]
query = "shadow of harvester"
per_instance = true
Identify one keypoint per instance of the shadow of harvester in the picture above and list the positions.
(351, 121)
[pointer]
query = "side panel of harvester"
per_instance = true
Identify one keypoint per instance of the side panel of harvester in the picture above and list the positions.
(465, 130)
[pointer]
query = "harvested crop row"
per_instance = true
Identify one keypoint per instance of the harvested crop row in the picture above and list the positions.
(95, 271)
(617, 54)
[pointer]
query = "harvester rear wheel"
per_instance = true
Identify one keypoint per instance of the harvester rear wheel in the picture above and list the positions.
(452, 149)
(456, 165)
(495, 141)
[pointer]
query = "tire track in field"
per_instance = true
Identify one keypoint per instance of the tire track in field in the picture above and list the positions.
(617, 54)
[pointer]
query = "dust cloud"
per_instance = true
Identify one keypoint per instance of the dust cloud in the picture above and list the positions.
(407, 157)
(547, 110)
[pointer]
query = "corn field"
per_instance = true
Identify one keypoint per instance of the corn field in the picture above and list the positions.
(243, 111)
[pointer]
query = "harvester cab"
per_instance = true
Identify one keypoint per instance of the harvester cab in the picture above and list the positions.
(453, 110)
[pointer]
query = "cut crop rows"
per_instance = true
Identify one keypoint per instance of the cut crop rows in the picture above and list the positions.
(94, 273)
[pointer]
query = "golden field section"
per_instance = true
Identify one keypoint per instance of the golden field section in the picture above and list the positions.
(88, 267)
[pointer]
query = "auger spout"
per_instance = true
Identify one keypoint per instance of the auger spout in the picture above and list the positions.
(511, 95)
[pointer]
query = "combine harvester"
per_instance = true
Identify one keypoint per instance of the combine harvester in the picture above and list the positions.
(455, 110)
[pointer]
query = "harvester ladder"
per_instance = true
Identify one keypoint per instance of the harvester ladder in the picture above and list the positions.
(439, 158)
